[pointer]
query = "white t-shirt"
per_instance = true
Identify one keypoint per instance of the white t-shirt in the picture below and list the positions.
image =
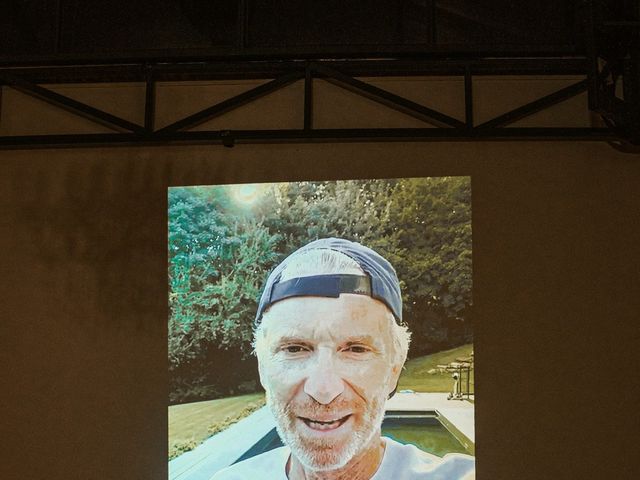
(400, 462)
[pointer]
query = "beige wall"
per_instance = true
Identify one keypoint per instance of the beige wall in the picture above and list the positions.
(83, 311)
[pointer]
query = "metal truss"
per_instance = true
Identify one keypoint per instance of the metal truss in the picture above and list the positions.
(614, 69)
(343, 73)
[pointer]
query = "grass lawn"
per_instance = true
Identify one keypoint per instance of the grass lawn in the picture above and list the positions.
(189, 423)
(415, 375)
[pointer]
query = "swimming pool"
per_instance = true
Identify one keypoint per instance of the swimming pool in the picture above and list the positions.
(427, 430)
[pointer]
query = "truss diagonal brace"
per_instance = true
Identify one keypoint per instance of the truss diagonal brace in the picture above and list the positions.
(69, 104)
(232, 103)
(388, 99)
(536, 106)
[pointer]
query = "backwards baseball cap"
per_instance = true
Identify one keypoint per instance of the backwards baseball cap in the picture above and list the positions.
(380, 280)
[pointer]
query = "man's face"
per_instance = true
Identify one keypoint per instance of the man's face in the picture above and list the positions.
(326, 365)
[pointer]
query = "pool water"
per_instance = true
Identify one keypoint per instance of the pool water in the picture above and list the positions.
(425, 431)
(434, 439)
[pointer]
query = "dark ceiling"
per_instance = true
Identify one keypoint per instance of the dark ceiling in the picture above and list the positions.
(67, 41)
(119, 29)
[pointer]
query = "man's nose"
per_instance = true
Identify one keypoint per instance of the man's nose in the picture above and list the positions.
(323, 383)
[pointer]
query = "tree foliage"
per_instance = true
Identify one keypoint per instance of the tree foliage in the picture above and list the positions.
(221, 250)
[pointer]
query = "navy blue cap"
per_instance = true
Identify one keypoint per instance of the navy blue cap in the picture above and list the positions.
(380, 282)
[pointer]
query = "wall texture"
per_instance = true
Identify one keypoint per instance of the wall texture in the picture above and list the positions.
(84, 309)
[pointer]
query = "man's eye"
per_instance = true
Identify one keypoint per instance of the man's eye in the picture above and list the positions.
(294, 348)
(357, 349)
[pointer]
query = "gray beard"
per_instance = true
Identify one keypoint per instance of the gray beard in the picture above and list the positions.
(319, 454)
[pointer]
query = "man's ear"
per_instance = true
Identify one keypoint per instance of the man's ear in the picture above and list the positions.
(396, 370)
(261, 374)
(258, 349)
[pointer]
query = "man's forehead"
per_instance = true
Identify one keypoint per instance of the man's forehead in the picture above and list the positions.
(346, 316)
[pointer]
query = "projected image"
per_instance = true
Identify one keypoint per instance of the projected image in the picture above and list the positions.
(321, 327)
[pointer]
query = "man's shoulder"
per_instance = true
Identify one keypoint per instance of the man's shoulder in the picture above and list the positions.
(407, 462)
(269, 465)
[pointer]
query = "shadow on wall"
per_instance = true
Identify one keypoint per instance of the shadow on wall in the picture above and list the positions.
(93, 227)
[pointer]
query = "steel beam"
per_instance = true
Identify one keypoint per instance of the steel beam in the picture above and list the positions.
(267, 69)
(243, 24)
(468, 98)
(308, 98)
(149, 102)
(229, 138)
(282, 73)
(232, 53)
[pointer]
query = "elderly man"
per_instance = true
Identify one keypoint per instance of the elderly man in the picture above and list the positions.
(330, 345)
